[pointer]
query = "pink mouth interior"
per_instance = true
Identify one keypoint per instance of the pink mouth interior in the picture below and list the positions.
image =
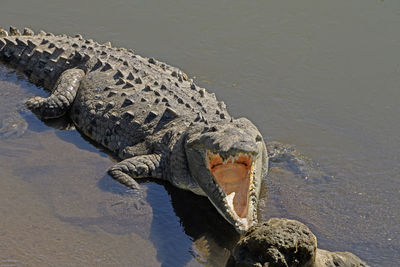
(233, 176)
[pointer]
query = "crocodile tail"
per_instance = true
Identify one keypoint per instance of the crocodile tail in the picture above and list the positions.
(13, 32)
(3, 33)
(42, 56)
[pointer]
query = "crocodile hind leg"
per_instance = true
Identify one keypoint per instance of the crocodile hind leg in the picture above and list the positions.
(60, 100)
(144, 166)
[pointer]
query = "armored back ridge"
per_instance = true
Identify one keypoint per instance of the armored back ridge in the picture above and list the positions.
(159, 122)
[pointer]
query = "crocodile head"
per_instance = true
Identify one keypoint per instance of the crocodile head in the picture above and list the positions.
(228, 161)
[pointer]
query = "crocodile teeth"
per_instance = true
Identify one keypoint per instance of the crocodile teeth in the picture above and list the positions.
(229, 199)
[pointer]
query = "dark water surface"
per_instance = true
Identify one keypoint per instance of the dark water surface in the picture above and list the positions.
(321, 75)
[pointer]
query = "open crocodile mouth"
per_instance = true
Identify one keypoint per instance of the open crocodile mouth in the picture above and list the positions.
(234, 176)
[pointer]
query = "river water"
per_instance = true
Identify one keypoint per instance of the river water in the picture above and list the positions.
(322, 76)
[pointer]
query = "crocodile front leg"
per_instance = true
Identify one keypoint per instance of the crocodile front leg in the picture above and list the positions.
(144, 166)
(60, 100)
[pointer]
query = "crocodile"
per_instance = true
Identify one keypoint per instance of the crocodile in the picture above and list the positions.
(150, 115)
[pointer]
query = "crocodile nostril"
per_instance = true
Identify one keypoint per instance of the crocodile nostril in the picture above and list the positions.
(258, 138)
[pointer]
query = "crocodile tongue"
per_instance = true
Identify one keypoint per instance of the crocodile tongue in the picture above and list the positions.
(233, 176)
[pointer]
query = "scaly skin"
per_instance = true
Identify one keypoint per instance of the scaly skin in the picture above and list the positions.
(150, 114)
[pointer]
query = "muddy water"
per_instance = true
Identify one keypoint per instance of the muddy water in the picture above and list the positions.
(321, 75)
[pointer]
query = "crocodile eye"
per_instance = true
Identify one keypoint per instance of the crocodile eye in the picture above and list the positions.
(258, 138)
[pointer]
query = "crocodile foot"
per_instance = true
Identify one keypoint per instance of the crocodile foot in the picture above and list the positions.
(12, 126)
(123, 214)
